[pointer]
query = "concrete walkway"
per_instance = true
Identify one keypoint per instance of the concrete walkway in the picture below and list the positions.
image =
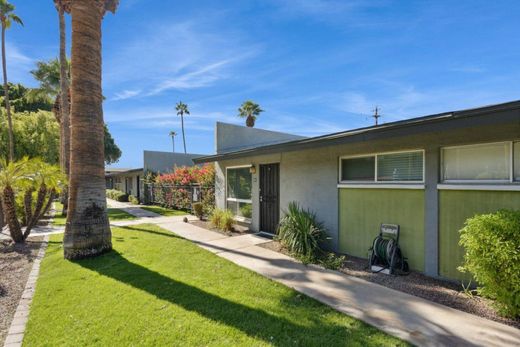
(416, 320)
(134, 210)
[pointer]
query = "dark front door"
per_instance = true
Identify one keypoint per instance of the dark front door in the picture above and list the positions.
(269, 197)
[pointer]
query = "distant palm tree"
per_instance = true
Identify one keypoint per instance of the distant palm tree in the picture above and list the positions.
(182, 109)
(172, 135)
(250, 111)
(7, 17)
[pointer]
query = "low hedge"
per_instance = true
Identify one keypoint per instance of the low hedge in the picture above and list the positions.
(492, 256)
(133, 200)
(117, 195)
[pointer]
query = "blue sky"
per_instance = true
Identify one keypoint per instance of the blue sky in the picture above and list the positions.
(314, 66)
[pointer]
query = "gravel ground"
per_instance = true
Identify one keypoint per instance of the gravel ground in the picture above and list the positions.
(439, 291)
(15, 265)
(237, 229)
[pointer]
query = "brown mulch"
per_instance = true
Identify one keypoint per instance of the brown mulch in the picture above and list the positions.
(439, 291)
(237, 230)
(15, 265)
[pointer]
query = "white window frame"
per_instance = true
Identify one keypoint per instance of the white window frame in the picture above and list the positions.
(376, 182)
(511, 179)
(247, 201)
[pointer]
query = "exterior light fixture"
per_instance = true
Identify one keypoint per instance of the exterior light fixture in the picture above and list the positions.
(252, 169)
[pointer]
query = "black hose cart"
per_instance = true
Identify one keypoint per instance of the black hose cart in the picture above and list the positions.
(385, 253)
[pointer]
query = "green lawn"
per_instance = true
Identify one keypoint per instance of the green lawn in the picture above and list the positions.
(157, 289)
(114, 214)
(163, 211)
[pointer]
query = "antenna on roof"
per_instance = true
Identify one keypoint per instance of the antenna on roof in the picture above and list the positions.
(376, 115)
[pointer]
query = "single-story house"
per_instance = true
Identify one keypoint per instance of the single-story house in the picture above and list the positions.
(426, 174)
(131, 181)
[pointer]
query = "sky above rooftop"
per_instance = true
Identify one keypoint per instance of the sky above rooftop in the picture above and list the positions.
(314, 66)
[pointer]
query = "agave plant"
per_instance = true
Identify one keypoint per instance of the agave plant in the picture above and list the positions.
(301, 233)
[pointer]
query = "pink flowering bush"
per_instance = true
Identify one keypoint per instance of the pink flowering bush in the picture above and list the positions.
(175, 190)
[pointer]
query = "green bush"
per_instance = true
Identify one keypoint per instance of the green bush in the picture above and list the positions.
(133, 200)
(301, 233)
(222, 219)
(246, 211)
(492, 256)
(198, 209)
(117, 195)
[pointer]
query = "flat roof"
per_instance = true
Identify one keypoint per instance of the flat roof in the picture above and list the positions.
(116, 171)
(329, 139)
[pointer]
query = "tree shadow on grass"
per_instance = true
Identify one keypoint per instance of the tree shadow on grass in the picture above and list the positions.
(254, 322)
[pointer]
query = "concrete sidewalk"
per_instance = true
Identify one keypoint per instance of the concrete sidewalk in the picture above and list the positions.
(134, 210)
(411, 318)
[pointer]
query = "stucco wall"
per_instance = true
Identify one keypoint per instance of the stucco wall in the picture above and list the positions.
(231, 137)
(362, 211)
(165, 161)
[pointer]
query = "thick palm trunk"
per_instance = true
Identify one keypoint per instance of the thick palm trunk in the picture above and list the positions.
(87, 231)
(6, 99)
(9, 206)
(64, 109)
(250, 121)
(183, 136)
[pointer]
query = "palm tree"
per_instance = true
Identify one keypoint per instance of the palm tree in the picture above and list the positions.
(182, 109)
(87, 231)
(64, 91)
(7, 17)
(172, 135)
(250, 111)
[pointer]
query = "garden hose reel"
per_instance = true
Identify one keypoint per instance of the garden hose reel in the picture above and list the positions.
(385, 253)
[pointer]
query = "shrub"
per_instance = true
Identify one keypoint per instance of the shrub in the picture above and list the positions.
(301, 233)
(198, 209)
(222, 219)
(117, 195)
(332, 261)
(215, 217)
(492, 256)
(134, 200)
(227, 220)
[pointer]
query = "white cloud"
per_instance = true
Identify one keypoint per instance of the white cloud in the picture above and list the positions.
(183, 55)
(126, 94)
(198, 78)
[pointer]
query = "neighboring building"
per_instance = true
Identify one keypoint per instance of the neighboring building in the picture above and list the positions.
(427, 174)
(130, 181)
(125, 180)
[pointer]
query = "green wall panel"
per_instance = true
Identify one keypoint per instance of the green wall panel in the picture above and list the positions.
(455, 206)
(361, 211)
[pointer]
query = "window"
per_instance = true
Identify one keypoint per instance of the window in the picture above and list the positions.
(385, 167)
(483, 162)
(400, 167)
(358, 169)
(239, 187)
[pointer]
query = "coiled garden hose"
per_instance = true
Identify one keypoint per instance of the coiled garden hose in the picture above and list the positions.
(384, 249)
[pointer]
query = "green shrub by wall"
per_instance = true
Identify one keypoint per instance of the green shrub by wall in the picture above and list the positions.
(492, 255)
(361, 212)
(455, 207)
